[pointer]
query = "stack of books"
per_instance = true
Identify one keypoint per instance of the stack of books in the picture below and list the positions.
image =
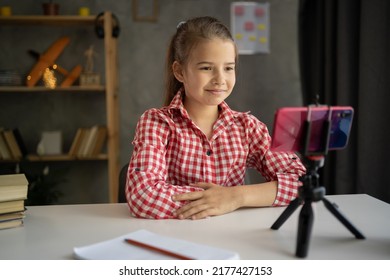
(13, 193)
(88, 142)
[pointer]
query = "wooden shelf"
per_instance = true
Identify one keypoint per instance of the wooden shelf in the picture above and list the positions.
(64, 158)
(99, 89)
(65, 20)
(54, 158)
(109, 89)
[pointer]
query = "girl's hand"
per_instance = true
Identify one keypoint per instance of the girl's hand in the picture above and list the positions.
(214, 200)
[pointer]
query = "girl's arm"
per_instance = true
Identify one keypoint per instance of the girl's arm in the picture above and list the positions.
(147, 192)
(281, 170)
(217, 200)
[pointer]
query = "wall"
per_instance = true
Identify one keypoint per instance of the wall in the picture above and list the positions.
(264, 82)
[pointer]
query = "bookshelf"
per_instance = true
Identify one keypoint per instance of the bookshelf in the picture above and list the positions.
(21, 89)
(109, 89)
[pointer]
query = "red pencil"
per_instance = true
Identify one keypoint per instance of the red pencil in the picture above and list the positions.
(156, 249)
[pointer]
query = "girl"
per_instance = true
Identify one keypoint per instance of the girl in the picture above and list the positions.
(190, 157)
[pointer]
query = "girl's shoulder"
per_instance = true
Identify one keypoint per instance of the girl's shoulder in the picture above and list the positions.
(156, 115)
(248, 120)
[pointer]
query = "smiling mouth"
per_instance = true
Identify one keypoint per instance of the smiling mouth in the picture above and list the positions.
(216, 91)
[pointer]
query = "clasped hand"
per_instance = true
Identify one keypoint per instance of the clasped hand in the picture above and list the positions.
(214, 200)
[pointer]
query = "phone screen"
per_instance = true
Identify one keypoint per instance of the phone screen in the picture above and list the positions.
(289, 128)
(340, 128)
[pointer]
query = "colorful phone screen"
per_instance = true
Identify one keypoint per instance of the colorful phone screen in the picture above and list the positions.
(290, 131)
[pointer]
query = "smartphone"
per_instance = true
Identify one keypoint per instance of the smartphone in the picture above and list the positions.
(290, 123)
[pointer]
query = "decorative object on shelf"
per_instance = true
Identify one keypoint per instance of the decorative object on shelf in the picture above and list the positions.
(47, 60)
(89, 78)
(5, 11)
(99, 26)
(49, 78)
(10, 78)
(50, 144)
(50, 9)
(84, 11)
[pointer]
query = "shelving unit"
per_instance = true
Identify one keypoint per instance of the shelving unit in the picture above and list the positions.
(59, 20)
(21, 89)
(109, 89)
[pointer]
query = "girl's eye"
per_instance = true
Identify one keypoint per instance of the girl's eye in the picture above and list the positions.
(229, 68)
(205, 68)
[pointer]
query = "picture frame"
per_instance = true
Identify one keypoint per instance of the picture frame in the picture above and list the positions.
(145, 10)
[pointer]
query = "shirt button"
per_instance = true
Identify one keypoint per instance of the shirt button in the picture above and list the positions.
(209, 152)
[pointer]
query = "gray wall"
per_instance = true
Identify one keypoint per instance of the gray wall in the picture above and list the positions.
(264, 83)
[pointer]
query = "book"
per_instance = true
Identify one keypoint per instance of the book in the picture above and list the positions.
(5, 152)
(11, 223)
(90, 141)
(13, 187)
(11, 206)
(9, 137)
(12, 216)
(20, 142)
(118, 249)
(83, 143)
(101, 138)
(73, 151)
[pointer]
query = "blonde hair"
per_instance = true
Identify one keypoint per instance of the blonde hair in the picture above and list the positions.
(187, 36)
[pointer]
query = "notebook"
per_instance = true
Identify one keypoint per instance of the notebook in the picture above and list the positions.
(119, 249)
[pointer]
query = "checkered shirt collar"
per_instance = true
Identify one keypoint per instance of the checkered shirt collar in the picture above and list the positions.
(225, 117)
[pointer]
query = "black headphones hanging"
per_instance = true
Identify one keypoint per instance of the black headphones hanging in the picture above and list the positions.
(99, 26)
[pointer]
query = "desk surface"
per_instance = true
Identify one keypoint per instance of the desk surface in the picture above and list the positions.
(51, 232)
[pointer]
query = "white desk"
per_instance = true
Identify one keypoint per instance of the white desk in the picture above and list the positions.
(51, 232)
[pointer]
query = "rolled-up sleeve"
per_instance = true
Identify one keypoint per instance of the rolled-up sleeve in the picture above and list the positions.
(147, 192)
(284, 167)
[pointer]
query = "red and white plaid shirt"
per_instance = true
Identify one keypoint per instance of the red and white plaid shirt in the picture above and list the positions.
(171, 152)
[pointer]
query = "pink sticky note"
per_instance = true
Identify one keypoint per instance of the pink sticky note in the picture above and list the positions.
(249, 25)
(259, 12)
(239, 10)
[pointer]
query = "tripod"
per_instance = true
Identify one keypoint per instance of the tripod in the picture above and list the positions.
(309, 192)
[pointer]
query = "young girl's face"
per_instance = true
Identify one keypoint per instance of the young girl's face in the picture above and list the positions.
(209, 75)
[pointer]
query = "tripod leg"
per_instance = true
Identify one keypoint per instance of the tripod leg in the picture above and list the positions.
(305, 226)
(286, 213)
(334, 210)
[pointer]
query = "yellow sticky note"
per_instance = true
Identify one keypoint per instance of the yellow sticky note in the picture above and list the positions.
(239, 36)
(263, 40)
(252, 38)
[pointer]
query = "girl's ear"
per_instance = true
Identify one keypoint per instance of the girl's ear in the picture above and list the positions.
(177, 71)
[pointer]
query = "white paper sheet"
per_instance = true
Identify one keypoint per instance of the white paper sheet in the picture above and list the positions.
(119, 249)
